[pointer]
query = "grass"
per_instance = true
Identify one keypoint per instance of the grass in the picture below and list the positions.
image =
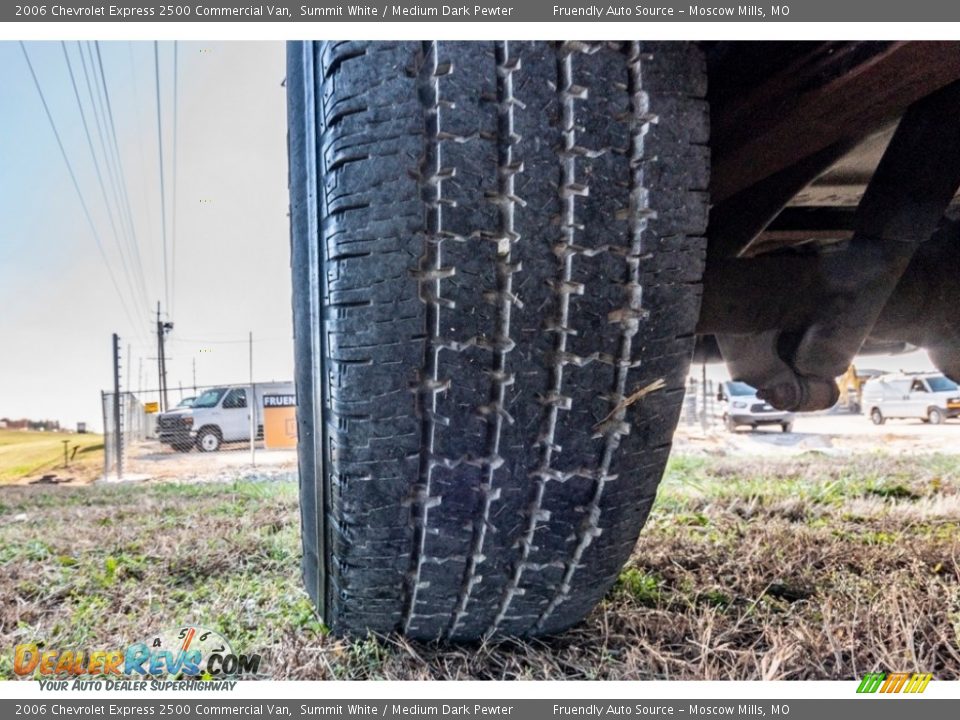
(27, 454)
(807, 568)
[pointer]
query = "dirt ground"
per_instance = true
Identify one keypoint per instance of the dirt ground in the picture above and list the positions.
(822, 433)
(153, 461)
(749, 568)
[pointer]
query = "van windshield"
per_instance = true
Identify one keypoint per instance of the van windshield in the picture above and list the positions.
(739, 389)
(941, 384)
(209, 398)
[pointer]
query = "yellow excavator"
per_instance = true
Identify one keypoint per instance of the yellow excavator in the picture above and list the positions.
(851, 388)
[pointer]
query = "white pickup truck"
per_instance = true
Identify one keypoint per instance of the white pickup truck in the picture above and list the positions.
(218, 415)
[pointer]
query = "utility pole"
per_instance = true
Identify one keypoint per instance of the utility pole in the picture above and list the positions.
(117, 428)
(194, 376)
(162, 329)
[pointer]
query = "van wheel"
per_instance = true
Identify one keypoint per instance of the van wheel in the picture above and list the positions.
(208, 440)
(877, 417)
(935, 416)
(494, 246)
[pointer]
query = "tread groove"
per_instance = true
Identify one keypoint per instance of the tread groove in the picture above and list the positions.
(628, 317)
(428, 276)
(503, 298)
(567, 192)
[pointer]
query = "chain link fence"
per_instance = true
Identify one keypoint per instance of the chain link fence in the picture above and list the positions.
(700, 404)
(135, 425)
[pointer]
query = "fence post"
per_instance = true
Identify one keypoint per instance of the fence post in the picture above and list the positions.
(252, 406)
(106, 433)
(118, 430)
(703, 386)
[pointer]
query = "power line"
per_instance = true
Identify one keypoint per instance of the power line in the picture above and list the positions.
(245, 341)
(93, 157)
(144, 196)
(76, 185)
(96, 109)
(173, 230)
(86, 130)
(163, 197)
(123, 178)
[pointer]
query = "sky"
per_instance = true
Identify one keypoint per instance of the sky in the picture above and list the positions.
(226, 255)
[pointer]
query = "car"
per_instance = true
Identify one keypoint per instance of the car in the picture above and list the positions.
(505, 254)
(929, 397)
(741, 406)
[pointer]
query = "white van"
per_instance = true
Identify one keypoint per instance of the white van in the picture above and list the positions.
(741, 406)
(930, 397)
(217, 415)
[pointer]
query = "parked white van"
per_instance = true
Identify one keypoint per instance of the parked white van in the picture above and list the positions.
(930, 397)
(217, 415)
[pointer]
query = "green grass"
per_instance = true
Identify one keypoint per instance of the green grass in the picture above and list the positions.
(26, 453)
(795, 569)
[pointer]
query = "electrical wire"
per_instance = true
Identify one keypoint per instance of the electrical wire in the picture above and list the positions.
(76, 185)
(96, 109)
(163, 194)
(96, 162)
(244, 341)
(86, 131)
(132, 238)
(173, 229)
(144, 196)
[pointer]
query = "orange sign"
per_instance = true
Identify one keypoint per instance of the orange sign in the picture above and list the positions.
(279, 421)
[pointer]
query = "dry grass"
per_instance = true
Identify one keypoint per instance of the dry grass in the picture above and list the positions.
(799, 569)
(25, 455)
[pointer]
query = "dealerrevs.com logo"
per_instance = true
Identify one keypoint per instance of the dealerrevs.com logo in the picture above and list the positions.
(184, 652)
(894, 682)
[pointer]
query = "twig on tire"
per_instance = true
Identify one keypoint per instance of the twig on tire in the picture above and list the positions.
(628, 401)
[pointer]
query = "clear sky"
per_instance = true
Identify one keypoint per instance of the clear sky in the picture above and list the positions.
(229, 272)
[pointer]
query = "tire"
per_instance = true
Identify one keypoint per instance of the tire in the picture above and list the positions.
(209, 440)
(936, 416)
(729, 424)
(467, 468)
(786, 427)
(877, 417)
